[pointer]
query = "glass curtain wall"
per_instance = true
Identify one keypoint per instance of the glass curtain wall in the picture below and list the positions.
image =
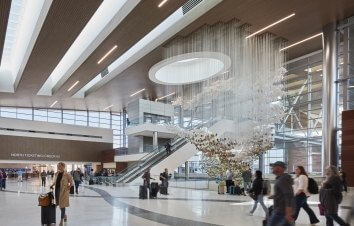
(109, 120)
(298, 138)
(345, 81)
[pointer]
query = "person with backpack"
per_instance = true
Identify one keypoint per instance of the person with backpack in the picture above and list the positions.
(301, 184)
(258, 191)
(331, 196)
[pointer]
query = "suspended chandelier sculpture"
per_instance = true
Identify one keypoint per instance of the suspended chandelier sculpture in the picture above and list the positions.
(238, 79)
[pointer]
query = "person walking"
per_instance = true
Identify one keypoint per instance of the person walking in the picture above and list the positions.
(62, 183)
(301, 195)
(247, 179)
(229, 177)
(44, 178)
(19, 175)
(343, 176)
(257, 190)
(283, 197)
(4, 177)
(331, 196)
(77, 175)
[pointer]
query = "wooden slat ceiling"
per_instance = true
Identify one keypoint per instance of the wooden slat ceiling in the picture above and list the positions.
(143, 18)
(5, 6)
(64, 22)
(310, 17)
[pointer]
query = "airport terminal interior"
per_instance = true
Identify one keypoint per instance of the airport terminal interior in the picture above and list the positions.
(176, 112)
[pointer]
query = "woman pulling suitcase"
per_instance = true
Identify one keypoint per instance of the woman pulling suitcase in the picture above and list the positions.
(62, 183)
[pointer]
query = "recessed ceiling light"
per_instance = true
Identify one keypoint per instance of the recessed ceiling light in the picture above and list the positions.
(319, 69)
(162, 3)
(108, 107)
(297, 43)
(106, 55)
(275, 23)
(54, 103)
(137, 92)
(71, 87)
(160, 98)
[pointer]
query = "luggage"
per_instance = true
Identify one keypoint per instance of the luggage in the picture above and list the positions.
(142, 192)
(90, 182)
(48, 215)
(163, 190)
(72, 190)
(221, 189)
(270, 211)
(267, 188)
(154, 190)
(235, 190)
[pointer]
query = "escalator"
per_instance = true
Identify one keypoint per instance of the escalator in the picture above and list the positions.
(148, 161)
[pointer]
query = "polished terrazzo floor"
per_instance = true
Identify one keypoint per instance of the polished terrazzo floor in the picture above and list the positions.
(102, 205)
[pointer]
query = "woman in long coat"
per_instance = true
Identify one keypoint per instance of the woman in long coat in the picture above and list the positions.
(62, 183)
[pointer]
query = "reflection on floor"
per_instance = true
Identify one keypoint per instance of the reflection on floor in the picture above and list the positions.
(102, 205)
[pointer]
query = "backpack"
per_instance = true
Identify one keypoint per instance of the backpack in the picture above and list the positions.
(313, 186)
(266, 187)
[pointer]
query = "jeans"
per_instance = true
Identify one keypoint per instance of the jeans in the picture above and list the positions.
(301, 202)
(247, 185)
(336, 218)
(77, 184)
(278, 220)
(62, 215)
(260, 201)
(43, 181)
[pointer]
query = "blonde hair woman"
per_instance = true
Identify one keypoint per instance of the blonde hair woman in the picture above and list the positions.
(62, 183)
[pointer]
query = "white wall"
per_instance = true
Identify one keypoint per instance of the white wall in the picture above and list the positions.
(106, 134)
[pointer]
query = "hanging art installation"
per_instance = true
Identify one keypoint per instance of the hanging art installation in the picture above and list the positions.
(217, 73)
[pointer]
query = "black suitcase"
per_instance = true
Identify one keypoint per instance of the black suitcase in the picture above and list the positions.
(142, 192)
(48, 215)
(90, 182)
(154, 190)
(72, 190)
(163, 190)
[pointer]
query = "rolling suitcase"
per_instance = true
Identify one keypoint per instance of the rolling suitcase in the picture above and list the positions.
(154, 190)
(163, 190)
(90, 182)
(142, 192)
(48, 215)
(72, 190)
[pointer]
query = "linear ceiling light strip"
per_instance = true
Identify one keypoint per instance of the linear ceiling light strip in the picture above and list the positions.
(269, 26)
(299, 42)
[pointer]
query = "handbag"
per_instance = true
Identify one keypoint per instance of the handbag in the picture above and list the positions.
(253, 196)
(322, 209)
(45, 199)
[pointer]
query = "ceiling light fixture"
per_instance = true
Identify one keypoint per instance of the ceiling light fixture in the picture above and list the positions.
(106, 55)
(297, 43)
(275, 23)
(71, 87)
(162, 3)
(54, 103)
(160, 98)
(319, 69)
(351, 86)
(137, 92)
(106, 108)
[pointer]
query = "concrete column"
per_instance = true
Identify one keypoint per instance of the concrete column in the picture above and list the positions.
(186, 170)
(261, 163)
(329, 146)
(155, 143)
